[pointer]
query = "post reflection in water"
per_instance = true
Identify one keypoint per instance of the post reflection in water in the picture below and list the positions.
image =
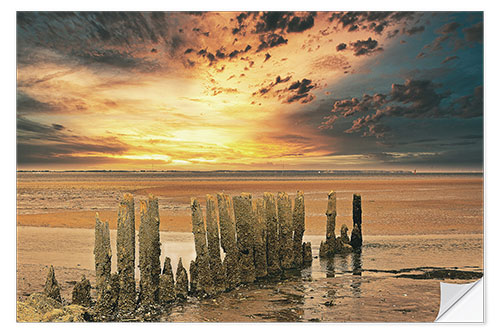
(357, 265)
(345, 265)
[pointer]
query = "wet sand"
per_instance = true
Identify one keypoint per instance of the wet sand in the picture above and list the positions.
(417, 229)
(327, 291)
(391, 205)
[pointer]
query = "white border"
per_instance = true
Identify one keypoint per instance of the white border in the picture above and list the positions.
(8, 162)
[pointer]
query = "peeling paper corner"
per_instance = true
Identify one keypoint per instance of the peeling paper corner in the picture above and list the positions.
(461, 302)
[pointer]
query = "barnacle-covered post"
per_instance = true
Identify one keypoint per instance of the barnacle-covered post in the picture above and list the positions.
(231, 264)
(243, 215)
(356, 236)
(125, 252)
(272, 234)
(204, 283)
(260, 240)
(298, 228)
(286, 230)
(149, 251)
(166, 288)
(213, 241)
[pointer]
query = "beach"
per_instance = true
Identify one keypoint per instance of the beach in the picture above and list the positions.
(418, 231)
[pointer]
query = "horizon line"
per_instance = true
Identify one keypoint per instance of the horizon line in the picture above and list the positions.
(258, 170)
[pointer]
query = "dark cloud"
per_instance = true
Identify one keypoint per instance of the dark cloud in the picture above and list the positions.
(235, 53)
(437, 44)
(474, 33)
(372, 21)
(413, 99)
(469, 106)
(116, 58)
(267, 88)
(393, 33)
(449, 35)
(111, 38)
(27, 104)
(299, 24)
(284, 21)
(299, 91)
(447, 59)
(341, 46)
(414, 30)
(365, 47)
(270, 41)
(38, 143)
(449, 28)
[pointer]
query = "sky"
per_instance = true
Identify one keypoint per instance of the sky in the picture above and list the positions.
(250, 91)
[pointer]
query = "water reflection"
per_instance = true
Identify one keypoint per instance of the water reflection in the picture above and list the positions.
(342, 264)
(357, 264)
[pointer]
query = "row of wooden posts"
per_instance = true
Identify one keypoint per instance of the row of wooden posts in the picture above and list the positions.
(259, 238)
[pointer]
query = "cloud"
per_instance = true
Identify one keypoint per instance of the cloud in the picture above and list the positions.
(117, 59)
(27, 104)
(299, 91)
(474, 33)
(284, 21)
(332, 63)
(414, 30)
(449, 34)
(267, 88)
(58, 127)
(121, 39)
(469, 106)
(341, 46)
(447, 59)
(365, 47)
(270, 41)
(449, 28)
(299, 24)
(413, 99)
(38, 143)
(372, 21)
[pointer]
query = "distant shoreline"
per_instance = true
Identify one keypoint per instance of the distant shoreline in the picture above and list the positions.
(266, 172)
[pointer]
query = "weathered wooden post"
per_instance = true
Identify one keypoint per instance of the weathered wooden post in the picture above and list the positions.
(202, 264)
(149, 251)
(193, 276)
(219, 279)
(327, 248)
(286, 230)
(107, 284)
(102, 253)
(181, 281)
(231, 265)
(306, 254)
(260, 239)
(298, 229)
(356, 236)
(343, 234)
(272, 234)
(81, 293)
(125, 252)
(243, 215)
(166, 288)
(51, 288)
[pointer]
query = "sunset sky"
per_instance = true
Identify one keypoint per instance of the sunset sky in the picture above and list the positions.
(232, 90)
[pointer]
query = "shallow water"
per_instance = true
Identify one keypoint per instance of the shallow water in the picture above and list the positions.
(369, 286)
